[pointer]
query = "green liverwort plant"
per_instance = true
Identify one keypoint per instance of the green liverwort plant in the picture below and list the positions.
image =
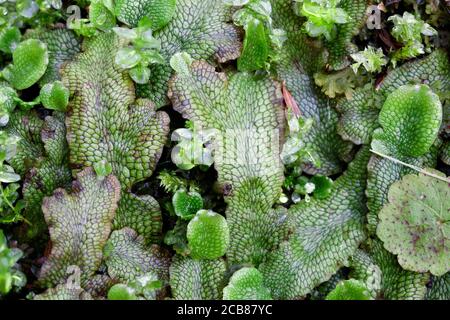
(144, 287)
(9, 38)
(141, 50)
(10, 208)
(295, 149)
(372, 60)
(261, 38)
(208, 235)
(193, 147)
(30, 60)
(55, 96)
(186, 204)
(350, 290)
(409, 30)
(414, 223)
(101, 18)
(10, 276)
(322, 15)
(8, 101)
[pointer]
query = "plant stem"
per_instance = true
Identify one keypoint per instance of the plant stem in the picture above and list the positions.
(416, 168)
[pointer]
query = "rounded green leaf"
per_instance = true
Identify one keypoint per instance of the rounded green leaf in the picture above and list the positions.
(208, 235)
(9, 39)
(246, 284)
(350, 290)
(186, 204)
(121, 292)
(256, 47)
(27, 8)
(125, 33)
(5, 282)
(30, 60)
(127, 58)
(100, 16)
(415, 224)
(7, 103)
(55, 96)
(323, 186)
(410, 120)
(140, 74)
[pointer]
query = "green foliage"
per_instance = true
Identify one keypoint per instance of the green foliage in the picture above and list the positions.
(202, 28)
(318, 186)
(69, 289)
(322, 186)
(410, 118)
(9, 39)
(440, 288)
(128, 134)
(349, 290)
(8, 101)
(408, 30)
(359, 115)
(63, 292)
(30, 60)
(299, 59)
(127, 257)
(364, 268)
(101, 14)
(322, 17)
(101, 19)
(170, 182)
(140, 213)
(193, 148)
(268, 189)
(141, 50)
(321, 239)
(159, 12)
(260, 37)
(142, 288)
(371, 60)
(48, 171)
(342, 46)
(197, 279)
(55, 96)
(75, 242)
(294, 149)
(62, 46)
(342, 82)
(177, 238)
(414, 224)
(246, 284)
(10, 206)
(102, 168)
(208, 235)
(239, 101)
(10, 275)
(397, 283)
(186, 204)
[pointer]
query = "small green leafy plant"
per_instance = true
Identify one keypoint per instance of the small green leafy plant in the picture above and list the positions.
(10, 276)
(409, 30)
(193, 148)
(10, 206)
(141, 50)
(372, 60)
(261, 39)
(322, 15)
(142, 288)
